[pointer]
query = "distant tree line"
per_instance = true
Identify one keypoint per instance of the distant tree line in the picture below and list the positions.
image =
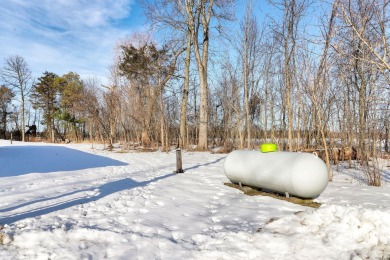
(312, 75)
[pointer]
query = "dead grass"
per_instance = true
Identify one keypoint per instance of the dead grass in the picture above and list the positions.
(251, 191)
(121, 151)
(385, 156)
(147, 150)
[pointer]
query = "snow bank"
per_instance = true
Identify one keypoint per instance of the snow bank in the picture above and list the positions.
(335, 232)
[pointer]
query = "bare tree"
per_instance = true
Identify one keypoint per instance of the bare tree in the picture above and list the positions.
(287, 35)
(373, 16)
(183, 111)
(228, 96)
(250, 46)
(169, 15)
(92, 108)
(361, 44)
(17, 75)
(320, 82)
(199, 17)
(200, 14)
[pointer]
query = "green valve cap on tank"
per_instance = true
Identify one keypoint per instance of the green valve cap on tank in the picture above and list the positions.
(268, 147)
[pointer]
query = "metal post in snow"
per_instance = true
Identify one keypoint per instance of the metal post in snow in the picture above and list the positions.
(179, 168)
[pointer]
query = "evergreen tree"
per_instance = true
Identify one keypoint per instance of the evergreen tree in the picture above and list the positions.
(6, 96)
(45, 96)
(71, 105)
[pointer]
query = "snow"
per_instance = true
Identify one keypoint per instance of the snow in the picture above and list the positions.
(77, 202)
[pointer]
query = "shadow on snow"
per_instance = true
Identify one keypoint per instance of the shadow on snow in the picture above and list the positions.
(386, 175)
(99, 192)
(205, 164)
(19, 160)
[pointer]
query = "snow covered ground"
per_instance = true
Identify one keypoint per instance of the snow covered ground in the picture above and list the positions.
(75, 202)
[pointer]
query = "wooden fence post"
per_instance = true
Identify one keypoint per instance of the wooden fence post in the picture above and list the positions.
(179, 168)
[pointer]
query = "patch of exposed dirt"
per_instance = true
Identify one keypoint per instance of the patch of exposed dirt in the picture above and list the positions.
(252, 191)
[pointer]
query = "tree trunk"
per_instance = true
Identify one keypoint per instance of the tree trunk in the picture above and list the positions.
(203, 12)
(246, 82)
(387, 137)
(203, 117)
(23, 119)
(319, 78)
(162, 122)
(288, 53)
(184, 101)
(289, 108)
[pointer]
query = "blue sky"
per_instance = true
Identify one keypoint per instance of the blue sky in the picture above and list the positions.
(66, 35)
(74, 35)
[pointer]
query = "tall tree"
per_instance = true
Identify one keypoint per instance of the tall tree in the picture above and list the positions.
(172, 15)
(17, 75)
(199, 17)
(319, 84)
(287, 33)
(169, 15)
(184, 100)
(111, 111)
(190, 21)
(45, 95)
(6, 96)
(92, 108)
(149, 69)
(250, 45)
(71, 101)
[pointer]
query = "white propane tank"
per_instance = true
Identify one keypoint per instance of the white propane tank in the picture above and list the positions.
(300, 174)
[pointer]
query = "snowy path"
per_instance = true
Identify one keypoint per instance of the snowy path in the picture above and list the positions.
(135, 207)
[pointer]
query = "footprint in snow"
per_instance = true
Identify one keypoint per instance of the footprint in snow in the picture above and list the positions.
(215, 219)
(176, 235)
(160, 203)
(143, 211)
(213, 211)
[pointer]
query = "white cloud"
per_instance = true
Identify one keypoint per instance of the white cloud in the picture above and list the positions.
(63, 35)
